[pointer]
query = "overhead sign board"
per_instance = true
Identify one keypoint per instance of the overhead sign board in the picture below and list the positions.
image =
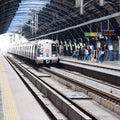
(111, 32)
(91, 34)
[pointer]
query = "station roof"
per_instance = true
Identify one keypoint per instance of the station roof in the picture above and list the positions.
(8, 9)
(62, 14)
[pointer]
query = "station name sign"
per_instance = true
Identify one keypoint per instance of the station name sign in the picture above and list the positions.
(103, 33)
(91, 34)
(111, 32)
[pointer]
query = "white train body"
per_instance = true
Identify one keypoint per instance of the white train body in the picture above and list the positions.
(40, 51)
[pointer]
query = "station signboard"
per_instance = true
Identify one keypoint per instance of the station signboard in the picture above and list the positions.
(91, 34)
(111, 33)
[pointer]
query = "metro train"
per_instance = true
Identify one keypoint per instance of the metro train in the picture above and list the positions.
(41, 51)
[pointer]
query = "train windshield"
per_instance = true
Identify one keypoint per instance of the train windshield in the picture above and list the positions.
(40, 50)
(54, 49)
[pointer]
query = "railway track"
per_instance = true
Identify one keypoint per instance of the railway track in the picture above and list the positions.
(69, 109)
(107, 95)
(75, 85)
(111, 92)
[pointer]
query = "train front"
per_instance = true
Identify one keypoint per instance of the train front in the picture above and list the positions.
(47, 52)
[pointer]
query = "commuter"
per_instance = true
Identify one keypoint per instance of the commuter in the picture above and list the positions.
(94, 57)
(106, 53)
(89, 53)
(92, 52)
(82, 53)
(74, 54)
(86, 54)
(79, 54)
(100, 55)
(69, 51)
(110, 48)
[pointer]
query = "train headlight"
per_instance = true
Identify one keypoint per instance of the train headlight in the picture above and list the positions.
(41, 55)
(53, 55)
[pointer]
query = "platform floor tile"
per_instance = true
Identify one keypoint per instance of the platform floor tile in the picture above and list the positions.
(10, 111)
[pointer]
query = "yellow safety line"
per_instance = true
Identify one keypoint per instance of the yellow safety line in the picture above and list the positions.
(10, 111)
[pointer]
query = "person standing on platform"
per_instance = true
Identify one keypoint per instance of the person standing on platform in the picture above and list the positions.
(82, 53)
(86, 54)
(89, 53)
(100, 55)
(79, 54)
(106, 55)
(110, 48)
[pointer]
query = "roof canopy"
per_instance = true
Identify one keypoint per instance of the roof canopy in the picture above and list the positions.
(64, 16)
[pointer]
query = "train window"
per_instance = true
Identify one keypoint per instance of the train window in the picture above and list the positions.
(40, 49)
(54, 49)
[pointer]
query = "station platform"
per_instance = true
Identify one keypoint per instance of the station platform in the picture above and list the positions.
(105, 63)
(16, 102)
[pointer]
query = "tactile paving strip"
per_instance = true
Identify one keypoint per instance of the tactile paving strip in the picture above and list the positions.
(10, 111)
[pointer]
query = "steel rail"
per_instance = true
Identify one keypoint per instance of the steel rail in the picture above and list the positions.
(35, 79)
(102, 93)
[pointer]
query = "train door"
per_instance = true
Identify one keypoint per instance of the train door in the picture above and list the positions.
(47, 50)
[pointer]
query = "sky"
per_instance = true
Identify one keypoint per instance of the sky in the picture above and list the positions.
(24, 13)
